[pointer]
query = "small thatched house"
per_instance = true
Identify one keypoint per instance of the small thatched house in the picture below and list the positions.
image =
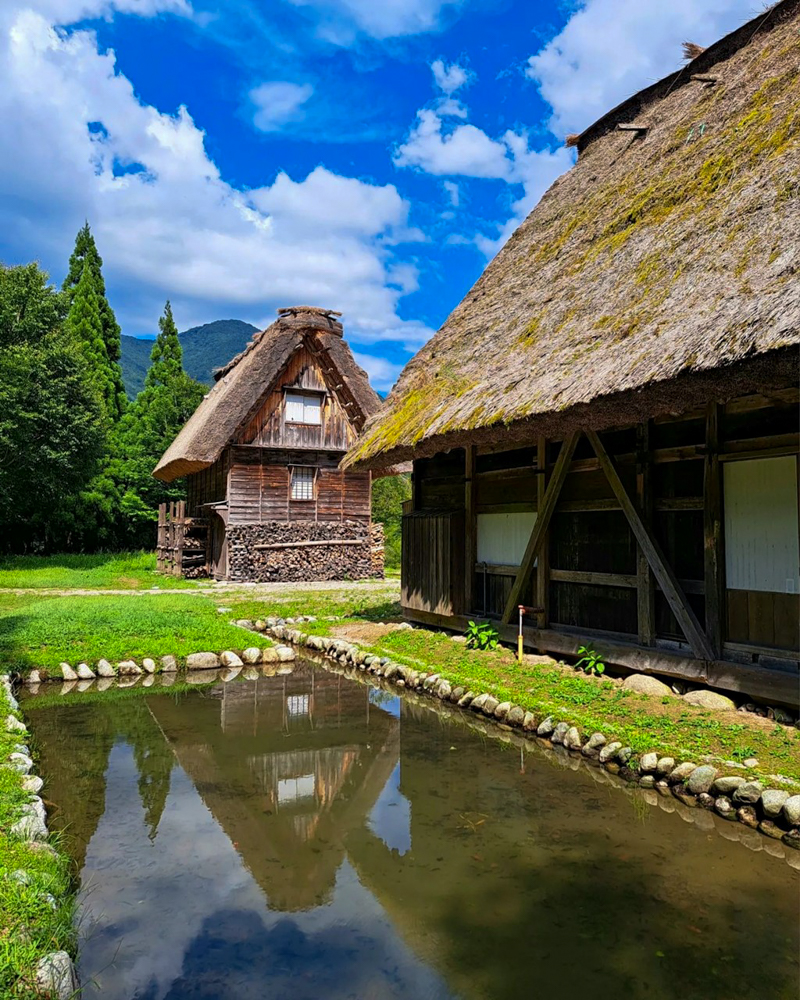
(606, 428)
(266, 497)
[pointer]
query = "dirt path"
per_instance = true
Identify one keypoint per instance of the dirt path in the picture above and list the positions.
(391, 588)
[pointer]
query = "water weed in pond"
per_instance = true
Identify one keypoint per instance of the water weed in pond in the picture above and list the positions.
(308, 836)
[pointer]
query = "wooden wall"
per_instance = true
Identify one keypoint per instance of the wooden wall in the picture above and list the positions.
(207, 486)
(260, 488)
(593, 577)
(267, 427)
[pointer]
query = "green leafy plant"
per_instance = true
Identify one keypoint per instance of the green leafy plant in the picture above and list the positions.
(481, 636)
(590, 661)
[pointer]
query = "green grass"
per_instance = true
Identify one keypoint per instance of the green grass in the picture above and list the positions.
(103, 571)
(29, 925)
(644, 723)
(42, 631)
(347, 602)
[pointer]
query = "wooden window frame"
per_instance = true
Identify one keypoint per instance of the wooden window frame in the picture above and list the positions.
(305, 394)
(303, 468)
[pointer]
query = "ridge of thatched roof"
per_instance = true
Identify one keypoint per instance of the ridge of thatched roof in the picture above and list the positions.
(660, 257)
(243, 383)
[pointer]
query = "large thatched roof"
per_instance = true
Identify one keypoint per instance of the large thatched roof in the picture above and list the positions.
(244, 382)
(664, 255)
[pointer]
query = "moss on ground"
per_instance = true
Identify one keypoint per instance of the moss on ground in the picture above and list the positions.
(35, 910)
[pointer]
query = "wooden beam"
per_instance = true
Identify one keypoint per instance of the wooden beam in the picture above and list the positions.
(645, 590)
(594, 579)
(539, 533)
(668, 582)
(713, 559)
(470, 527)
(543, 564)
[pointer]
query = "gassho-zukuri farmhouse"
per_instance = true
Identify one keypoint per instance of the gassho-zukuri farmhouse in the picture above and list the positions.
(266, 498)
(605, 430)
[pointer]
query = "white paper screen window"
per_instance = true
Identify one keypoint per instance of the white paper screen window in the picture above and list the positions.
(302, 483)
(303, 409)
(297, 704)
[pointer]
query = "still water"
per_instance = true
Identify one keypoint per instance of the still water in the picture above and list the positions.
(307, 837)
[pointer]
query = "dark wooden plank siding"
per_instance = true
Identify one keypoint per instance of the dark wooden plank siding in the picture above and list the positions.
(268, 428)
(763, 618)
(207, 486)
(260, 489)
(432, 565)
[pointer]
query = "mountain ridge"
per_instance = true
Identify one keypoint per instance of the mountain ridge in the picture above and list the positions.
(205, 348)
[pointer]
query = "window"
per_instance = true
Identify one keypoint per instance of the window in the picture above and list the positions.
(302, 483)
(503, 538)
(303, 408)
(297, 704)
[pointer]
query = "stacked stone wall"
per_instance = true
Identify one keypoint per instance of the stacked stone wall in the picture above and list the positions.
(355, 551)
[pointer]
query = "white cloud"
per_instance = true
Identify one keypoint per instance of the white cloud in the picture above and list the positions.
(342, 21)
(166, 222)
(278, 102)
(465, 150)
(610, 49)
(382, 373)
(452, 192)
(70, 11)
(450, 78)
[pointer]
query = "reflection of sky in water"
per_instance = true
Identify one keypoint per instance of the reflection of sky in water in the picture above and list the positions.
(181, 916)
(390, 818)
(388, 703)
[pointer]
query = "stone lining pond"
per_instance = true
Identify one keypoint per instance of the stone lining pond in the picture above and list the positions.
(309, 835)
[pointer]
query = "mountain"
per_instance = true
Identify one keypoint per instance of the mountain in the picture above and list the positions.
(204, 348)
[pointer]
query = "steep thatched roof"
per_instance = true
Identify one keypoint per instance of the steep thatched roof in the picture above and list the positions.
(244, 382)
(664, 255)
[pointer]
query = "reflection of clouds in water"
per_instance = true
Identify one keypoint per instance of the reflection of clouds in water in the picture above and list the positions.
(390, 818)
(181, 916)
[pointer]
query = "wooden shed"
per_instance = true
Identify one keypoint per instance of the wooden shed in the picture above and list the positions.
(266, 498)
(606, 428)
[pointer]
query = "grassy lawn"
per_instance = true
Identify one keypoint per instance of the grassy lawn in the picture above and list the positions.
(42, 631)
(29, 924)
(103, 571)
(594, 705)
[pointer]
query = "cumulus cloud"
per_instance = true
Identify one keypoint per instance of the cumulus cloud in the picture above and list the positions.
(442, 143)
(70, 11)
(382, 373)
(167, 222)
(609, 49)
(342, 21)
(278, 102)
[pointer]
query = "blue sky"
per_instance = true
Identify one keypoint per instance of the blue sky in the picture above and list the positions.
(366, 155)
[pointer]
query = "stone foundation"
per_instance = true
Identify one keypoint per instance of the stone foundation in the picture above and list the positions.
(355, 551)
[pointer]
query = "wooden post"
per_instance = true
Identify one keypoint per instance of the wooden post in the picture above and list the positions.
(667, 580)
(645, 586)
(543, 517)
(712, 532)
(161, 538)
(543, 563)
(470, 528)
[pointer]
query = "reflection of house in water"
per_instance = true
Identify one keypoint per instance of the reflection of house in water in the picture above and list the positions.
(287, 765)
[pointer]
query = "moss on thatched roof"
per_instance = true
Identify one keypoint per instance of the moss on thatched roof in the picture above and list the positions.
(244, 382)
(663, 256)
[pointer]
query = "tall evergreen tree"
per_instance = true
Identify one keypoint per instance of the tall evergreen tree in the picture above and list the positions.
(85, 252)
(85, 325)
(147, 429)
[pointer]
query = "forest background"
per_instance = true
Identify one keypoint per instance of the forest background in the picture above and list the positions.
(76, 456)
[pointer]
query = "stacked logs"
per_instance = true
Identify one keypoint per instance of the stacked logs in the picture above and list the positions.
(288, 551)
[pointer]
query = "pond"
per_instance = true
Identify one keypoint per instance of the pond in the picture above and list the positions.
(309, 836)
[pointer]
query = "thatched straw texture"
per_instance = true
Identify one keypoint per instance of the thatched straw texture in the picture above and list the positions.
(663, 261)
(244, 382)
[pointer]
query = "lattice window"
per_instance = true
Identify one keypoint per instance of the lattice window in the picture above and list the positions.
(302, 483)
(303, 408)
(297, 704)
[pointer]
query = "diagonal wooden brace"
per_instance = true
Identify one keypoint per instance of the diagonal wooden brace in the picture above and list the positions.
(543, 518)
(692, 629)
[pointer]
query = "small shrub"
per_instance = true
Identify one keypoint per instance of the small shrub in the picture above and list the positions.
(481, 636)
(590, 661)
